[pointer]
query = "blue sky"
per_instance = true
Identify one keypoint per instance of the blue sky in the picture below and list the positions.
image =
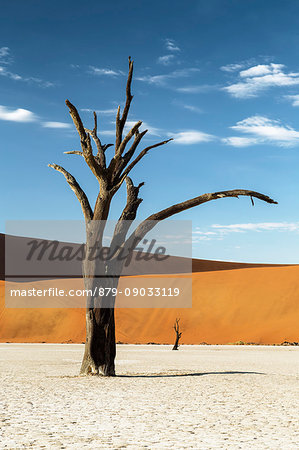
(221, 77)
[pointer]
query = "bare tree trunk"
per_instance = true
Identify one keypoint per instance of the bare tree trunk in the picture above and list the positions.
(176, 328)
(100, 348)
(176, 345)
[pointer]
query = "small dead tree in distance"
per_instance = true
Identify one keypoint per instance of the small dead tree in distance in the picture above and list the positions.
(100, 348)
(178, 333)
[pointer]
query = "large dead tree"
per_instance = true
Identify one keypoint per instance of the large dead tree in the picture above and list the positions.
(100, 348)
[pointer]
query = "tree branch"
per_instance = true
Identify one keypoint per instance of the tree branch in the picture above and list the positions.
(120, 122)
(101, 152)
(85, 142)
(129, 154)
(126, 139)
(80, 194)
(128, 214)
(141, 155)
(152, 220)
(74, 152)
(117, 164)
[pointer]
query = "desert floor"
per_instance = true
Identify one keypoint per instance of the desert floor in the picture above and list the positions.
(201, 397)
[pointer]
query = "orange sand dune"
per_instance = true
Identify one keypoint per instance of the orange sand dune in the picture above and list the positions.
(258, 305)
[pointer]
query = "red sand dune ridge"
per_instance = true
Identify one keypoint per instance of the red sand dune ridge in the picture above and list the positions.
(230, 302)
(252, 304)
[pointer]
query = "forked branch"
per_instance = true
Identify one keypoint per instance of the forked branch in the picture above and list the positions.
(85, 142)
(100, 148)
(128, 214)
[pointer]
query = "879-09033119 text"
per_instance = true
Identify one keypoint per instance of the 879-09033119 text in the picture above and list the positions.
(98, 290)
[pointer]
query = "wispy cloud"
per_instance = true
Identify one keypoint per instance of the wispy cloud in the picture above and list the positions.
(16, 115)
(6, 59)
(56, 125)
(104, 72)
(187, 106)
(237, 141)
(171, 45)
(258, 78)
(232, 67)
(246, 63)
(166, 59)
(219, 232)
(21, 115)
(199, 235)
(263, 226)
(263, 130)
(294, 99)
(172, 52)
(13, 76)
(161, 80)
(192, 108)
(196, 89)
(190, 137)
(108, 112)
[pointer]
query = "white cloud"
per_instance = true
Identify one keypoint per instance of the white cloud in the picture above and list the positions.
(166, 59)
(261, 69)
(171, 45)
(161, 80)
(192, 108)
(56, 125)
(266, 130)
(237, 141)
(264, 226)
(232, 67)
(107, 112)
(197, 89)
(105, 72)
(14, 76)
(294, 99)
(259, 78)
(199, 235)
(16, 115)
(219, 232)
(5, 57)
(190, 137)
(206, 233)
(6, 73)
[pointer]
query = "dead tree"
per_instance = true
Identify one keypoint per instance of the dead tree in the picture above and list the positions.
(111, 173)
(176, 328)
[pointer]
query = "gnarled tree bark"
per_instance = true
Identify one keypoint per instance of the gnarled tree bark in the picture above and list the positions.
(100, 347)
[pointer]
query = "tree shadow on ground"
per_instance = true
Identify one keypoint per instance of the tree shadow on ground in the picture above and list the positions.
(199, 374)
